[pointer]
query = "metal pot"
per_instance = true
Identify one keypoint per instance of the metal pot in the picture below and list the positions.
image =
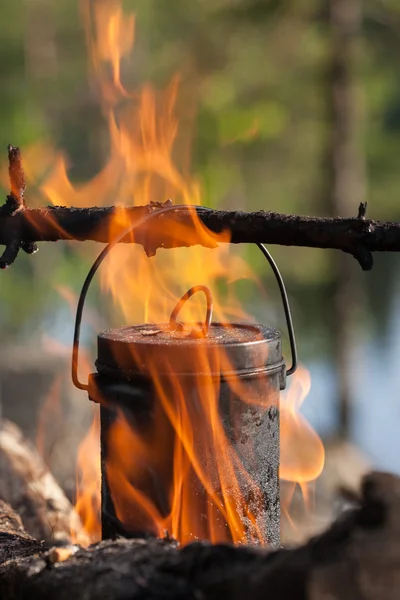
(250, 355)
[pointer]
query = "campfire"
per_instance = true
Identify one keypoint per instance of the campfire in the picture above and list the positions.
(179, 477)
(189, 406)
(190, 427)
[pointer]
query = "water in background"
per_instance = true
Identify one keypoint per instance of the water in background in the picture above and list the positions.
(376, 393)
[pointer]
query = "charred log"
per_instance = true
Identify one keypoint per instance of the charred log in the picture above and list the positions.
(358, 557)
(15, 542)
(29, 487)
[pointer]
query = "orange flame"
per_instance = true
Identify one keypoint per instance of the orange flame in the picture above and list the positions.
(188, 445)
(302, 452)
(88, 476)
(50, 413)
(89, 480)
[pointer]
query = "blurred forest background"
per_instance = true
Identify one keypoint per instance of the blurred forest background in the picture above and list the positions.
(292, 106)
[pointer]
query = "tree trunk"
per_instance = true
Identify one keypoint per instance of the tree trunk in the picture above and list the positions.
(346, 186)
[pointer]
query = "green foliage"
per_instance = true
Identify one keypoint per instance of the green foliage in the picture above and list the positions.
(256, 72)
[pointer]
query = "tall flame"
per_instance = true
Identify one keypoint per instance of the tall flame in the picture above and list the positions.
(143, 130)
(302, 452)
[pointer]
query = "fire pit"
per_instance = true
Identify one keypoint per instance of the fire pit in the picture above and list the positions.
(189, 424)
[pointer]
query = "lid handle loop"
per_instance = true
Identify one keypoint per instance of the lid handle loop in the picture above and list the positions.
(197, 288)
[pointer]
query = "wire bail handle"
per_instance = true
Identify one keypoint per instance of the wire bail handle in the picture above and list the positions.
(103, 254)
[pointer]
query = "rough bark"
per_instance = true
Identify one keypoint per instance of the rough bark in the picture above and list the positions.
(29, 487)
(15, 542)
(359, 237)
(358, 557)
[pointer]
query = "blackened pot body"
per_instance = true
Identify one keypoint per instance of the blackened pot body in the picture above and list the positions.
(149, 390)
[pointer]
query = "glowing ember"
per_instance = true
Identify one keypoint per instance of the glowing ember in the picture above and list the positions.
(143, 129)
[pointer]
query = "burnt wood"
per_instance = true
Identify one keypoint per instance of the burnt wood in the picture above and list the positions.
(357, 558)
(359, 237)
(22, 227)
(29, 487)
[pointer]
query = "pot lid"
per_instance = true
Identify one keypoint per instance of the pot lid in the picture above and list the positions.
(157, 348)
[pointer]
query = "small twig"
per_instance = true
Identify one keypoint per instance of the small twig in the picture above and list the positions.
(362, 210)
(15, 204)
(16, 200)
(10, 254)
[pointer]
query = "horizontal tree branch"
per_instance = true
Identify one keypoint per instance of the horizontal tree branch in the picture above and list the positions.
(162, 225)
(357, 236)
